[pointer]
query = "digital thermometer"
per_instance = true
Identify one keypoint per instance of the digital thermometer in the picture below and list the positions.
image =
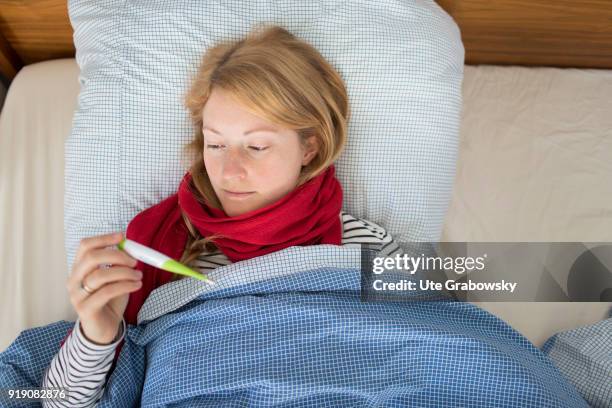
(159, 260)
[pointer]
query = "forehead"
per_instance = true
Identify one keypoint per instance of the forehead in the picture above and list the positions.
(222, 109)
(223, 116)
(257, 129)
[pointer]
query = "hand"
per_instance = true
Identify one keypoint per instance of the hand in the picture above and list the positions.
(101, 312)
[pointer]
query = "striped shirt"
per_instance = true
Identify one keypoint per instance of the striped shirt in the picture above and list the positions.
(83, 366)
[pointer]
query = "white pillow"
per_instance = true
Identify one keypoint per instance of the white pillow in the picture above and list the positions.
(402, 63)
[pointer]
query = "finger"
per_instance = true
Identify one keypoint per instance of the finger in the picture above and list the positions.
(105, 294)
(97, 241)
(96, 257)
(101, 277)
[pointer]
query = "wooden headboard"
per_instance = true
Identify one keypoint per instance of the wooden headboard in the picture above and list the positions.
(559, 33)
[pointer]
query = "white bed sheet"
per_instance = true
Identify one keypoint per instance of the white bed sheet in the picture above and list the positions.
(34, 122)
(533, 166)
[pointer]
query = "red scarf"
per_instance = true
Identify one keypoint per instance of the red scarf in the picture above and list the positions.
(309, 215)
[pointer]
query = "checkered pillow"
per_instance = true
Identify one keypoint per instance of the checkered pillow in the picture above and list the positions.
(402, 62)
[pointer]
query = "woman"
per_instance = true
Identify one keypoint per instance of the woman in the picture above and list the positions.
(270, 115)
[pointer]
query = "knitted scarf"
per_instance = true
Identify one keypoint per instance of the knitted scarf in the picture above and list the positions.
(308, 215)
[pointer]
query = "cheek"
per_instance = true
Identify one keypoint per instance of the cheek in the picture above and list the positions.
(280, 173)
(212, 165)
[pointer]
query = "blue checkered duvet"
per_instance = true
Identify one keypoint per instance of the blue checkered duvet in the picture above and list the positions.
(584, 357)
(305, 339)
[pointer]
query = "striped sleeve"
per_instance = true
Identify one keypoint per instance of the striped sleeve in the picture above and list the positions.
(81, 365)
(207, 261)
(357, 231)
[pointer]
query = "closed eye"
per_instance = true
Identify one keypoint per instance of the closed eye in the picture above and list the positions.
(256, 148)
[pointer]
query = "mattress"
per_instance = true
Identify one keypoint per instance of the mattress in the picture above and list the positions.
(532, 166)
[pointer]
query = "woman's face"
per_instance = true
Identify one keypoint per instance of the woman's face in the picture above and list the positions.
(244, 153)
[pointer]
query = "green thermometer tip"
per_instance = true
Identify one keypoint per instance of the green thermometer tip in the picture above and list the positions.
(177, 267)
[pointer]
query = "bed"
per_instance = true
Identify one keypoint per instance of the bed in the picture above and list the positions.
(526, 198)
(533, 160)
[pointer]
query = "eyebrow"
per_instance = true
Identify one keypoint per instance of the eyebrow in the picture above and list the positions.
(259, 129)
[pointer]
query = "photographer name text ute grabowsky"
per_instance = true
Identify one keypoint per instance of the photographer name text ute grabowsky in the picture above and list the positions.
(426, 284)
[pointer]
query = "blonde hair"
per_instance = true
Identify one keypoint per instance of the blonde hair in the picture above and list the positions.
(281, 78)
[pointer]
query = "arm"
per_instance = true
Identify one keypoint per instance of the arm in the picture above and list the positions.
(83, 367)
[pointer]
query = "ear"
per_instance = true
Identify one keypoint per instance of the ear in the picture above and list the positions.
(310, 151)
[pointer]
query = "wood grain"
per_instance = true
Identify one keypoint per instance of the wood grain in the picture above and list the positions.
(10, 63)
(560, 33)
(37, 30)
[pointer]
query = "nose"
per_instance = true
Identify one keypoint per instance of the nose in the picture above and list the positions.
(234, 164)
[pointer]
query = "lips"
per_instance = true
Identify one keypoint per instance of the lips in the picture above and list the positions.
(238, 192)
(237, 196)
